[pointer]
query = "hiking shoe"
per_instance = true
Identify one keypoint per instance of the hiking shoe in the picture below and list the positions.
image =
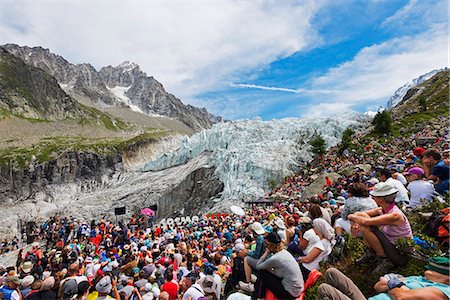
(247, 287)
(384, 266)
(368, 256)
(253, 278)
(340, 239)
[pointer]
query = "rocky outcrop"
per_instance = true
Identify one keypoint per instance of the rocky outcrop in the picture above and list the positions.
(190, 188)
(30, 92)
(107, 85)
(192, 196)
(18, 184)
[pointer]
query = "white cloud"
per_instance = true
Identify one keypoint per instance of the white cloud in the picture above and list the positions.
(280, 89)
(416, 14)
(191, 47)
(265, 88)
(377, 71)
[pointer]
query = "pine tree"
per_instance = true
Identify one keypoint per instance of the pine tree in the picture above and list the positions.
(318, 144)
(382, 122)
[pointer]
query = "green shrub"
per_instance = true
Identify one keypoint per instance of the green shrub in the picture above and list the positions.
(318, 145)
(382, 122)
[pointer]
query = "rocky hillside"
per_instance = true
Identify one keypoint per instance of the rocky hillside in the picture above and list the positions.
(401, 92)
(32, 93)
(124, 85)
(423, 104)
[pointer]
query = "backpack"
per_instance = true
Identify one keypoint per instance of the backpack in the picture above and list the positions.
(31, 256)
(438, 225)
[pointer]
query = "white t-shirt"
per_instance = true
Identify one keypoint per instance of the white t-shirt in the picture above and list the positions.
(402, 194)
(281, 233)
(402, 179)
(195, 291)
(326, 247)
(15, 296)
(420, 189)
(312, 238)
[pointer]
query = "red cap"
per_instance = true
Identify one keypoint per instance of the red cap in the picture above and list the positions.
(419, 151)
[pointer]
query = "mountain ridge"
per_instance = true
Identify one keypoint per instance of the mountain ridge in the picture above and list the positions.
(144, 91)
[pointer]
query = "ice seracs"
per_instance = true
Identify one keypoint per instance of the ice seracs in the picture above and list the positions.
(248, 154)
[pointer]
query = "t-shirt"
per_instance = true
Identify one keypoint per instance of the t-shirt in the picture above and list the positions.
(170, 288)
(402, 179)
(325, 246)
(441, 170)
(416, 282)
(283, 265)
(419, 190)
(195, 291)
(312, 238)
(15, 295)
(402, 194)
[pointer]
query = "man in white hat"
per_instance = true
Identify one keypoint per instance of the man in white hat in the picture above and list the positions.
(280, 228)
(394, 225)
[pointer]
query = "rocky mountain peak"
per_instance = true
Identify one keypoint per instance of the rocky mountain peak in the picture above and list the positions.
(125, 84)
(127, 66)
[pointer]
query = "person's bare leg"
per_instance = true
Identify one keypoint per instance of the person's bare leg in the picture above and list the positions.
(372, 241)
(247, 270)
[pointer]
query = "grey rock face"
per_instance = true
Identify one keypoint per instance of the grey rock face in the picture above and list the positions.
(190, 189)
(31, 92)
(143, 91)
(22, 183)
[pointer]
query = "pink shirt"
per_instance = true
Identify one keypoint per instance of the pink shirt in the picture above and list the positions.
(394, 232)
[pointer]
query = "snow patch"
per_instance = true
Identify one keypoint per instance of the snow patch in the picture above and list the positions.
(119, 92)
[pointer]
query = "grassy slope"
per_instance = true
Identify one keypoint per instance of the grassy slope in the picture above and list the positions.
(408, 118)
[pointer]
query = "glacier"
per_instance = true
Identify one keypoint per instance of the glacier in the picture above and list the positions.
(248, 154)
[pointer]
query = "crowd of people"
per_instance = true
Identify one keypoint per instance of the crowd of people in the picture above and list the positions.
(269, 252)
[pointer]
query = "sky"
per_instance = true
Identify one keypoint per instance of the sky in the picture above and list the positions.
(247, 59)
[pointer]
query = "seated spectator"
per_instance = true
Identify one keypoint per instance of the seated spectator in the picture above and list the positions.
(394, 224)
(439, 171)
(237, 267)
(280, 228)
(316, 211)
(359, 200)
(193, 290)
(421, 190)
(252, 257)
(434, 285)
(305, 238)
(279, 272)
(402, 194)
(290, 230)
(210, 281)
(321, 249)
